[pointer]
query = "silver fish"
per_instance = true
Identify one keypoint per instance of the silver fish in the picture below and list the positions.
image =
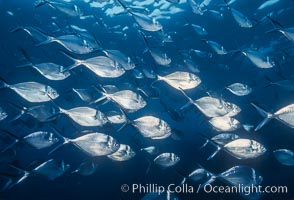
(245, 148)
(152, 127)
(199, 174)
(42, 113)
(94, 144)
(234, 176)
(288, 33)
(199, 29)
(41, 139)
(52, 169)
(216, 47)
(72, 43)
(216, 14)
(284, 115)
(181, 80)
(32, 91)
(144, 21)
(85, 116)
(284, 156)
(239, 148)
(102, 66)
(127, 99)
(166, 160)
(220, 139)
(35, 33)
(116, 117)
(124, 153)
(125, 61)
(258, 59)
(86, 168)
(283, 84)
(239, 89)
(68, 9)
(244, 175)
(150, 150)
(224, 138)
(51, 71)
(193, 67)
(267, 4)
(161, 58)
(213, 107)
(201, 54)
(224, 124)
(241, 19)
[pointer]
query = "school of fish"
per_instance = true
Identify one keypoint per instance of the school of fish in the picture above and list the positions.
(123, 84)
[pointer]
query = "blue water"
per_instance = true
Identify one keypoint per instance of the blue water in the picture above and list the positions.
(215, 73)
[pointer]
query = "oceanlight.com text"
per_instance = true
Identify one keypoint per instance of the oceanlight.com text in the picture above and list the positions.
(207, 188)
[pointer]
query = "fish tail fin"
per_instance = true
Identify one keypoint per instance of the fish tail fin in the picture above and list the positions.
(234, 51)
(218, 148)
(267, 116)
(70, 57)
(41, 3)
(56, 148)
(127, 120)
(24, 65)
(27, 58)
(102, 91)
(273, 30)
(204, 145)
(145, 42)
(16, 29)
(122, 4)
(269, 80)
(20, 108)
(48, 40)
(5, 185)
(183, 181)
(208, 141)
(190, 101)
(123, 127)
(3, 83)
(187, 23)
(65, 141)
(275, 23)
(12, 136)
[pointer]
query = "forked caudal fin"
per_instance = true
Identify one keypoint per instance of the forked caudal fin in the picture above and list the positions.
(189, 99)
(41, 3)
(3, 84)
(267, 116)
(65, 141)
(209, 141)
(20, 109)
(49, 40)
(75, 61)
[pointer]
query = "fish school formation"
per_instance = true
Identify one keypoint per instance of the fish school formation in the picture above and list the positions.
(123, 86)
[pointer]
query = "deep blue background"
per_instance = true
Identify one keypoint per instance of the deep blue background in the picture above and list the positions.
(215, 73)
